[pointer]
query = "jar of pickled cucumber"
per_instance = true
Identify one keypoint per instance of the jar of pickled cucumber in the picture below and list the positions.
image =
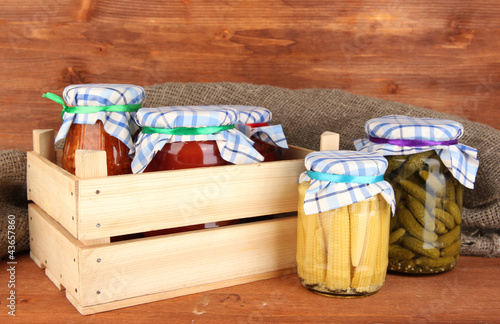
(99, 117)
(269, 140)
(344, 214)
(428, 170)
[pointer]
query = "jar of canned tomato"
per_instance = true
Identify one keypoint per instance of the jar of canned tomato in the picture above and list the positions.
(99, 117)
(184, 137)
(269, 140)
(428, 170)
(344, 214)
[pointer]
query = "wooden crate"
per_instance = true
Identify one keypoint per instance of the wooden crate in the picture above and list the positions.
(74, 218)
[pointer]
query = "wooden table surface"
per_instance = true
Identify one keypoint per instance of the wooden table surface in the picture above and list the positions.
(468, 294)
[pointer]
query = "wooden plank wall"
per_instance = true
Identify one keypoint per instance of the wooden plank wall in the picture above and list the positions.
(439, 54)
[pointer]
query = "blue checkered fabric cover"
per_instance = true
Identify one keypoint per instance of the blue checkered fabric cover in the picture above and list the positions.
(325, 195)
(234, 146)
(272, 134)
(460, 159)
(118, 124)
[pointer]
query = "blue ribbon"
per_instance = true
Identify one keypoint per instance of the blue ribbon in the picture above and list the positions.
(343, 178)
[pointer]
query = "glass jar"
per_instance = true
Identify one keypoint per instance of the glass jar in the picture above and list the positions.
(99, 117)
(342, 243)
(428, 170)
(268, 151)
(333, 259)
(186, 155)
(269, 140)
(184, 137)
(425, 235)
(94, 137)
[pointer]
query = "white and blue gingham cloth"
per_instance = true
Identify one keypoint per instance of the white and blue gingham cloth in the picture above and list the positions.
(118, 124)
(460, 159)
(272, 134)
(326, 195)
(234, 146)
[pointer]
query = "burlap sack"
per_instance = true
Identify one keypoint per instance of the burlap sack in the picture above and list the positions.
(13, 201)
(306, 113)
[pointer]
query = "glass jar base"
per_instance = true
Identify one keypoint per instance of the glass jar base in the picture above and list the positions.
(412, 267)
(320, 289)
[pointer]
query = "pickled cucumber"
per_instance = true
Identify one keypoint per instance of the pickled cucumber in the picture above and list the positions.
(414, 163)
(398, 252)
(417, 192)
(412, 226)
(447, 239)
(439, 262)
(453, 209)
(452, 250)
(396, 235)
(440, 228)
(445, 217)
(434, 182)
(419, 247)
(420, 213)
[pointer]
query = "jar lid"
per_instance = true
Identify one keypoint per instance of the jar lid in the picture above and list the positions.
(103, 94)
(341, 178)
(397, 127)
(164, 125)
(253, 114)
(403, 135)
(253, 122)
(117, 123)
(186, 116)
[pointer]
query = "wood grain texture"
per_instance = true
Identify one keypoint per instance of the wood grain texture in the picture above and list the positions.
(442, 55)
(467, 294)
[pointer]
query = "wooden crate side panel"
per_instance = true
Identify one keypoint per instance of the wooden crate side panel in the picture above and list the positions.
(87, 310)
(54, 249)
(124, 270)
(295, 153)
(124, 204)
(53, 189)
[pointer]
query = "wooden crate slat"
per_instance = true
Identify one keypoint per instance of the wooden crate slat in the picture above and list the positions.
(54, 249)
(54, 190)
(152, 265)
(124, 204)
(88, 310)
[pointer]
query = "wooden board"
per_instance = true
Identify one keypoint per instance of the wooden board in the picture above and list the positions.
(121, 274)
(150, 201)
(94, 207)
(467, 294)
(54, 250)
(442, 55)
(54, 190)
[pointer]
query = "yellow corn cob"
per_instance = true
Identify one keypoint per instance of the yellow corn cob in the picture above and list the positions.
(358, 220)
(310, 224)
(383, 246)
(301, 229)
(319, 269)
(338, 275)
(310, 250)
(362, 275)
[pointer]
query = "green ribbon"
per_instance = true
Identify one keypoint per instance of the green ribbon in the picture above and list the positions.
(343, 178)
(187, 130)
(90, 109)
